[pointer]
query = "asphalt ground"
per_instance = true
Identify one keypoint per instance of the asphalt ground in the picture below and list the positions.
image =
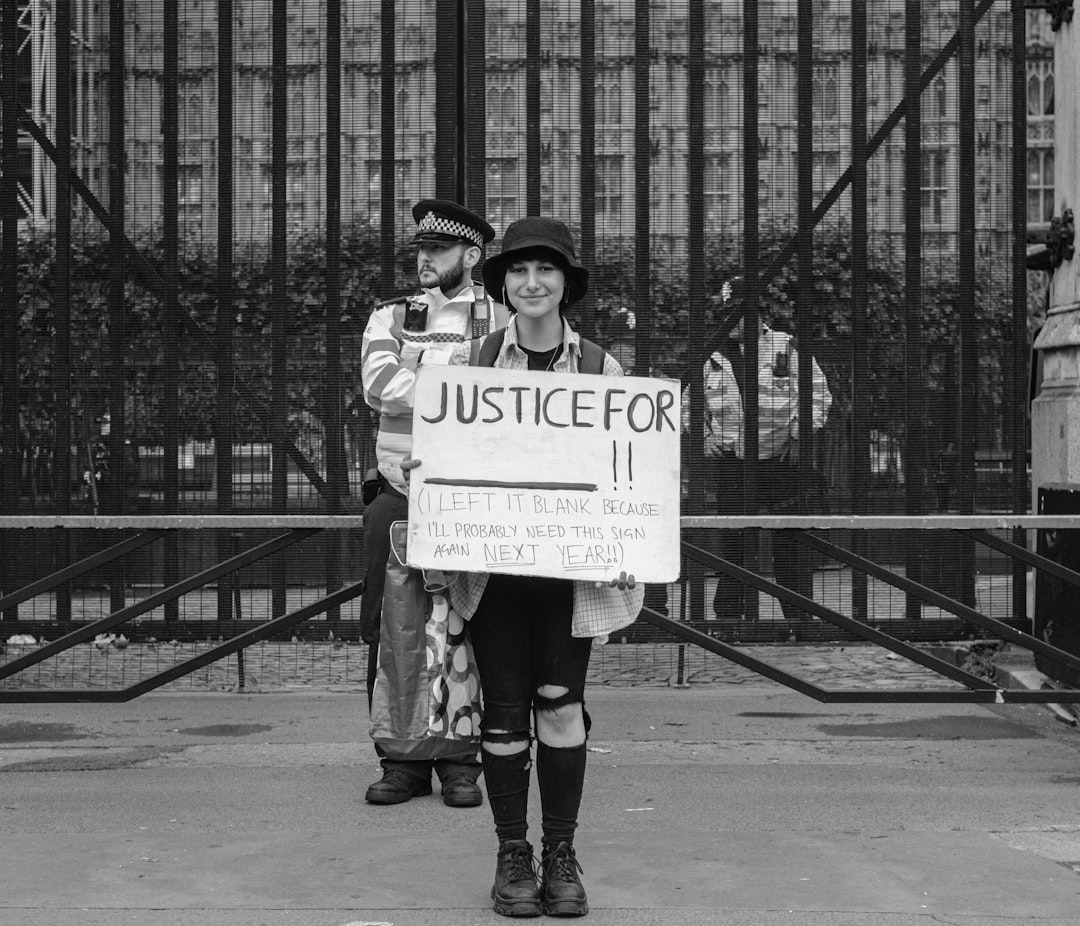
(724, 798)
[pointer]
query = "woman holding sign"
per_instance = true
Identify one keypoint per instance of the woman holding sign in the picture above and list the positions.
(532, 636)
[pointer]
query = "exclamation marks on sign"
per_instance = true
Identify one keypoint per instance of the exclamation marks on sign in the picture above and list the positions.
(629, 463)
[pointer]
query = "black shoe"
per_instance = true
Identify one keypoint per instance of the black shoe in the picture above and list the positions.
(561, 891)
(397, 787)
(515, 891)
(459, 790)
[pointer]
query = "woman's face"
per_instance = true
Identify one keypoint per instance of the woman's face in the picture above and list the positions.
(535, 287)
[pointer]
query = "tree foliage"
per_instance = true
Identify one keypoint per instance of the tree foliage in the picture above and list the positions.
(675, 347)
(146, 341)
(613, 284)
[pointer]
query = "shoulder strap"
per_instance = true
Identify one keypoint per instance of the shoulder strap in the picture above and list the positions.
(592, 357)
(483, 351)
(402, 299)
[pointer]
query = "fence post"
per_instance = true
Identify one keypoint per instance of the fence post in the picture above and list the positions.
(9, 301)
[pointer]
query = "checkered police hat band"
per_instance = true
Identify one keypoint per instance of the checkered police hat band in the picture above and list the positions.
(444, 226)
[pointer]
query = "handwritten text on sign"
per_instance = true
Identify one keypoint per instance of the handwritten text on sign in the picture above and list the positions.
(549, 474)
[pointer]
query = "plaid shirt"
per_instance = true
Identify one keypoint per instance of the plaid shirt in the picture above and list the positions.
(599, 609)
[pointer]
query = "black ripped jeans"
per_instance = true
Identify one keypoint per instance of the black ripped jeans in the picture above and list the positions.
(521, 638)
(522, 642)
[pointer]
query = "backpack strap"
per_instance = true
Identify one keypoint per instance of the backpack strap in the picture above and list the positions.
(483, 351)
(592, 357)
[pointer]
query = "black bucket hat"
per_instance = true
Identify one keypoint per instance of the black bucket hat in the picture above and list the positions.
(537, 232)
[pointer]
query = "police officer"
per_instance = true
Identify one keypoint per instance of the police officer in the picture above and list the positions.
(402, 334)
(778, 472)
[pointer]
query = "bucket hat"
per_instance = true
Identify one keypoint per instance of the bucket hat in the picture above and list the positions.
(538, 232)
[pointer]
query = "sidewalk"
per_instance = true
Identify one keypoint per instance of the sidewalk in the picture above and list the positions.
(732, 801)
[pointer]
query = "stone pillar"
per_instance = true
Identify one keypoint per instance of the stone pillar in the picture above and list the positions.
(1055, 412)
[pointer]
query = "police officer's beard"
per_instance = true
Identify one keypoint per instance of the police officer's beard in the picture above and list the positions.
(451, 279)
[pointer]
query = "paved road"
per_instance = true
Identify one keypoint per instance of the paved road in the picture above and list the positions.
(722, 803)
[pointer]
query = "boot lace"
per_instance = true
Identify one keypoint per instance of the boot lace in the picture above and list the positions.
(519, 863)
(561, 864)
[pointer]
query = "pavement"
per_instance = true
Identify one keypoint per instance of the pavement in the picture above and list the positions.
(724, 799)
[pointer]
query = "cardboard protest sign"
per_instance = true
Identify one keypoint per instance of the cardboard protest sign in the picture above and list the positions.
(565, 475)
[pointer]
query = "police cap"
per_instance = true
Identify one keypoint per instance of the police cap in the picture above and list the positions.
(447, 221)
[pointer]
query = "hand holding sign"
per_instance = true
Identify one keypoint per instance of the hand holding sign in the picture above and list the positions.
(623, 582)
(562, 475)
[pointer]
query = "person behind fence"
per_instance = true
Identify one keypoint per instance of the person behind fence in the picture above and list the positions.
(532, 636)
(402, 334)
(779, 478)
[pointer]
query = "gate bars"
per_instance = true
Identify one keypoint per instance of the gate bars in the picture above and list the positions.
(460, 173)
(298, 528)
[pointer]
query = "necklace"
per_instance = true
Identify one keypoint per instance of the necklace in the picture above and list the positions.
(543, 360)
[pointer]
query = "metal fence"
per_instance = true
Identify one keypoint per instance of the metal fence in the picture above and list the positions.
(201, 201)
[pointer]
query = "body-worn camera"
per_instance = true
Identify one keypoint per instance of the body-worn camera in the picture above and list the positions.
(369, 488)
(781, 366)
(415, 316)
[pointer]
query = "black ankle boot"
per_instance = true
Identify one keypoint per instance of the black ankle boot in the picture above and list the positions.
(515, 892)
(561, 890)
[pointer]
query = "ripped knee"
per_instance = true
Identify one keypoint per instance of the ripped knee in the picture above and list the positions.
(550, 698)
(505, 717)
(513, 749)
(506, 728)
